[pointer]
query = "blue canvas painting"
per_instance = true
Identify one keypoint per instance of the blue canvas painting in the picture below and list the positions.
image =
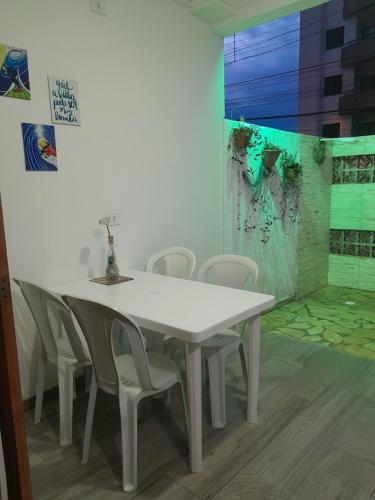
(39, 147)
(14, 73)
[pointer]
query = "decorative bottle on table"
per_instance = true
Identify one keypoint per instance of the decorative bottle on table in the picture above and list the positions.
(112, 270)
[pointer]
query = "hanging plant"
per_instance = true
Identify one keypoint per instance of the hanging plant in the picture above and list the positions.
(319, 151)
(291, 169)
(270, 154)
(242, 139)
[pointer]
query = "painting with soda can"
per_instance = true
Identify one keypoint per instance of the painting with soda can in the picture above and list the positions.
(39, 147)
(14, 73)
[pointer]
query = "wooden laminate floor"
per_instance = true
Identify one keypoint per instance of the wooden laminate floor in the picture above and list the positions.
(315, 438)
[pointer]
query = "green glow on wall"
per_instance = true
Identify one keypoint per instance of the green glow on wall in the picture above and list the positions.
(285, 141)
(353, 208)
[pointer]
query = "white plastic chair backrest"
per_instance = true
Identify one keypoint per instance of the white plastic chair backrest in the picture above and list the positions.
(234, 271)
(62, 315)
(41, 302)
(34, 299)
(178, 262)
(97, 322)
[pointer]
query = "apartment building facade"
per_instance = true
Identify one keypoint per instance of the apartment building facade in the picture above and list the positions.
(337, 69)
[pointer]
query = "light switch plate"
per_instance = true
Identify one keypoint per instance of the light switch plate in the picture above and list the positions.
(99, 7)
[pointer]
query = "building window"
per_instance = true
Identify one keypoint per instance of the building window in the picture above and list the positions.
(368, 82)
(366, 128)
(331, 130)
(333, 85)
(335, 38)
(368, 32)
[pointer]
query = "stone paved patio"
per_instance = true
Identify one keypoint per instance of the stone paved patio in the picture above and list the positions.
(341, 318)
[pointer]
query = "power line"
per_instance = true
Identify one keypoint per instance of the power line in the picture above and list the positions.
(279, 47)
(291, 31)
(308, 90)
(291, 80)
(287, 32)
(269, 51)
(298, 70)
(286, 45)
(301, 89)
(307, 114)
(279, 74)
(245, 47)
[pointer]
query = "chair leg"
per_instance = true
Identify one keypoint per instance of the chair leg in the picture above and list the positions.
(40, 387)
(74, 388)
(128, 412)
(186, 416)
(87, 377)
(66, 395)
(168, 398)
(170, 349)
(89, 420)
(243, 364)
(216, 371)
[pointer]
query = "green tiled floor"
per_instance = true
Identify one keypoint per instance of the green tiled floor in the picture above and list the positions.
(341, 318)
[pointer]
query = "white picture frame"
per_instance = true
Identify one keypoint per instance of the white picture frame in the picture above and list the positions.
(64, 101)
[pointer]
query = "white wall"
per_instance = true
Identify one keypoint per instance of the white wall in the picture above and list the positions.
(151, 93)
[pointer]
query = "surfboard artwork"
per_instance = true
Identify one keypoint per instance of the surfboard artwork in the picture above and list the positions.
(14, 73)
(39, 147)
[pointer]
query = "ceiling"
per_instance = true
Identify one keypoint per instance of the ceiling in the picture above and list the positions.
(226, 17)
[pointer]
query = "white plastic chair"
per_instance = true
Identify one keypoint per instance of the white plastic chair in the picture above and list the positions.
(233, 271)
(3, 477)
(131, 376)
(61, 346)
(178, 262)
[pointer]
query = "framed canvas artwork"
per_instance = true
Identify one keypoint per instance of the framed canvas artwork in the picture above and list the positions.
(39, 147)
(64, 101)
(14, 73)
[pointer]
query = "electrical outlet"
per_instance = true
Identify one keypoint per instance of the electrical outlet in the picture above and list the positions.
(114, 219)
(99, 7)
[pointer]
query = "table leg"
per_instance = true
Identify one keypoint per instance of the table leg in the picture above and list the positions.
(253, 368)
(194, 389)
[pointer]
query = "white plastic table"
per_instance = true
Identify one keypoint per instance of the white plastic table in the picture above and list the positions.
(192, 312)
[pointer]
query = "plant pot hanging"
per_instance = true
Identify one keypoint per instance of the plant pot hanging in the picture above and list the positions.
(290, 168)
(290, 175)
(242, 138)
(270, 157)
(319, 151)
(270, 154)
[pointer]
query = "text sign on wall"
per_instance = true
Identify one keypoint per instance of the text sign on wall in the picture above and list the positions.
(64, 101)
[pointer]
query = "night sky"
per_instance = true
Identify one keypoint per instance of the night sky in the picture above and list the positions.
(265, 50)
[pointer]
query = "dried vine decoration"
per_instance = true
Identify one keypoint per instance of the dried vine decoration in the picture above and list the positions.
(271, 194)
(292, 174)
(244, 140)
(265, 197)
(253, 195)
(267, 215)
(319, 151)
